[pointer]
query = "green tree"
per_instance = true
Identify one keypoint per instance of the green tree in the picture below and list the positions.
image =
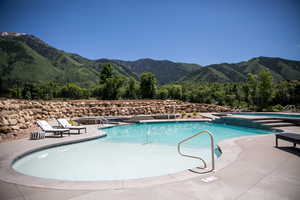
(112, 87)
(148, 85)
(219, 97)
(252, 85)
(15, 93)
(48, 90)
(1, 86)
(162, 93)
(175, 91)
(72, 91)
(132, 89)
(296, 94)
(265, 89)
(106, 73)
(283, 93)
(97, 91)
(30, 91)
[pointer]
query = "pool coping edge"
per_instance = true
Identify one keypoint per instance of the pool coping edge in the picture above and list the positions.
(230, 151)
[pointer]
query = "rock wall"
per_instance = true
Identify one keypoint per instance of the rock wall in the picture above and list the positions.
(21, 114)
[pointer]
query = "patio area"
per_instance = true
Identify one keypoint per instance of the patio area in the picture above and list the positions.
(249, 168)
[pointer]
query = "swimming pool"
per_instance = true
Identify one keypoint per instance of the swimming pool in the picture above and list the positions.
(282, 115)
(129, 152)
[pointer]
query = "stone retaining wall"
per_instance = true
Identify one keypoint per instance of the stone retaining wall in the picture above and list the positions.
(21, 114)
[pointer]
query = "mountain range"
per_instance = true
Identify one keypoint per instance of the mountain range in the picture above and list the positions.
(281, 69)
(24, 57)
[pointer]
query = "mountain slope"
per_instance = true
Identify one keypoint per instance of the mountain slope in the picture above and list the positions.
(281, 69)
(70, 67)
(25, 58)
(19, 64)
(164, 70)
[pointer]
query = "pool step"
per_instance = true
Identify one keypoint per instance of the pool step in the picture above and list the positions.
(279, 124)
(269, 121)
(139, 118)
(272, 122)
(264, 118)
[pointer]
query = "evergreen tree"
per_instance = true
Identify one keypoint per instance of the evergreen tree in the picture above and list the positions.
(106, 73)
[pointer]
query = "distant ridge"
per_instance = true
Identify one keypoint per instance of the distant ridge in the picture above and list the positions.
(281, 69)
(165, 71)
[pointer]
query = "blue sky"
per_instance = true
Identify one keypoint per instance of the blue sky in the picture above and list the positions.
(194, 31)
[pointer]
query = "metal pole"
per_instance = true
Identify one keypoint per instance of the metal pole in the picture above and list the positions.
(196, 157)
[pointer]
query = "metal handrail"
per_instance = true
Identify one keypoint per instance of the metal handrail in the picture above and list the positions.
(174, 111)
(212, 142)
(289, 108)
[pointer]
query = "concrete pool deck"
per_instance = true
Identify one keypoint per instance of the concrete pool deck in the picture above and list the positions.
(250, 168)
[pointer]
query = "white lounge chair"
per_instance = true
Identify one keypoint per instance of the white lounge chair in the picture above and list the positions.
(48, 128)
(65, 124)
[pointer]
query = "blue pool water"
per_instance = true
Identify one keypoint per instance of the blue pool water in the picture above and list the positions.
(282, 115)
(128, 152)
(170, 133)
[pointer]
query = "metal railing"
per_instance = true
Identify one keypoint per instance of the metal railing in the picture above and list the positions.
(174, 112)
(148, 137)
(291, 108)
(212, 142)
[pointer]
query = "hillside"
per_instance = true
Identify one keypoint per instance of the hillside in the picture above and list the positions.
(281, 69)
(25, 58)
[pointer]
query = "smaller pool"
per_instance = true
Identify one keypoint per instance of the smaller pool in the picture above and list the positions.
(282, 115)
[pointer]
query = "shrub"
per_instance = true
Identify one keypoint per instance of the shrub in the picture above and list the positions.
(162, 94)
(73, 91)
(277, 108)
(97, 91)
(15, 93)
(183, 114)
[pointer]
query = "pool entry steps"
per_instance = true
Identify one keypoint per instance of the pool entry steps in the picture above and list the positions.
(212, 146)
(273, 122)
(241, 122)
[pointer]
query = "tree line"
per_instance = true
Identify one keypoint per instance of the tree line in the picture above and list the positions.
(259, 92)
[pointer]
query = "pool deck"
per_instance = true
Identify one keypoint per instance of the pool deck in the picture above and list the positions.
(249, 168)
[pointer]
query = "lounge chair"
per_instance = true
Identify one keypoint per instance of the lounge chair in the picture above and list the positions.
(291, 137)
(65, 124)
(47, 128)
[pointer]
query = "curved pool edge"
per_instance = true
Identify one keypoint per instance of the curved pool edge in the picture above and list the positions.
(48, 146)
(230, 151)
